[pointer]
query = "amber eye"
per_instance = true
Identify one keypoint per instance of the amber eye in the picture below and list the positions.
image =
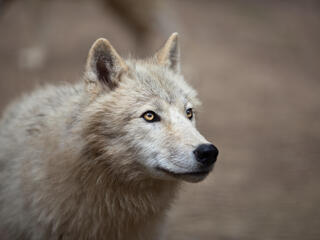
(189, 113)
(150, 116)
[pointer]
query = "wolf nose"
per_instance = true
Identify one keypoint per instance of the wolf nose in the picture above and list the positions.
(206, 154)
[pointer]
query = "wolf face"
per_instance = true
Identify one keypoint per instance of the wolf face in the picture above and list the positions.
(145, 113)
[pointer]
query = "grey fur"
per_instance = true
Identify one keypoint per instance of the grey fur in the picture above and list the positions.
(78, 161)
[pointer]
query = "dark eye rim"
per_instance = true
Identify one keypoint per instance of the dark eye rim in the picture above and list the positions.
(155, 119)
(192, 113)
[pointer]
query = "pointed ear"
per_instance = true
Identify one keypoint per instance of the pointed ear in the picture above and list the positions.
(169, 54)
(104, 65)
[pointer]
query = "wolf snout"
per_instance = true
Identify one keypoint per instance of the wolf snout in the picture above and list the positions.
(206, 154)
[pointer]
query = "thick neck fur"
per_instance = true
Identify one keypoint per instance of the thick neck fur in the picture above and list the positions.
(117, 209)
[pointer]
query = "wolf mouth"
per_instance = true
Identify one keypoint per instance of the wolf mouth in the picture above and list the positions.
(196, 173)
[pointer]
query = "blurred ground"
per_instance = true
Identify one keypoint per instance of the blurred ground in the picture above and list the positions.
(256, 66)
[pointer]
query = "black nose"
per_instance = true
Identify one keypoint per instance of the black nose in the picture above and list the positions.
(206, 154)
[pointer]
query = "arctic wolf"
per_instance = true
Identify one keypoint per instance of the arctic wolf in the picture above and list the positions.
(101, 159)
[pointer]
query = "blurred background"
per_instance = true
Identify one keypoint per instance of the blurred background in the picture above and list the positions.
(256, 66)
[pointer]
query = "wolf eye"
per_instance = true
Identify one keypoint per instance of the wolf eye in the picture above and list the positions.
(150, 116)
(189, 113)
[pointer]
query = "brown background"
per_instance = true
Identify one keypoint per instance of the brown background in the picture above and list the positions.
(256, 67)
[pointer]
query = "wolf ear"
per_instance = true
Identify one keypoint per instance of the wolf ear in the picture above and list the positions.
(104, 65)
(169, 54)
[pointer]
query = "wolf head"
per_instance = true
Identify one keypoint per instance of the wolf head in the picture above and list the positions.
(142, 116)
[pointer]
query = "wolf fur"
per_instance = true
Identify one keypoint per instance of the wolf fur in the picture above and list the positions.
(79, 161)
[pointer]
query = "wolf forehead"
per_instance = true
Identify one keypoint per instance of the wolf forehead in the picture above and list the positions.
(149, 80)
